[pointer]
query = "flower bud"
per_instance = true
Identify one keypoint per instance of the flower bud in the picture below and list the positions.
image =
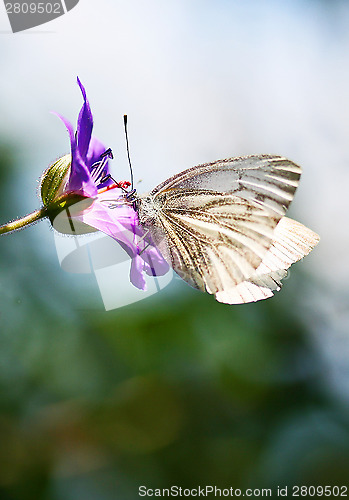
(54, 179)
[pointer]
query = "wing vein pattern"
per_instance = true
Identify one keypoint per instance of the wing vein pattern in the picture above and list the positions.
(222, 228)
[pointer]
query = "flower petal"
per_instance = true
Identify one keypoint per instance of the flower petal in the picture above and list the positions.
(115, 222)
(110, 214)
(79, 179)
(94, 152)
(154, 263)
(136, 273)
(85, 124)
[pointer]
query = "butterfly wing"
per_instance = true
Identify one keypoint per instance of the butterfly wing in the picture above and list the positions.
(215, 223)
(270, 181)
(291, 242)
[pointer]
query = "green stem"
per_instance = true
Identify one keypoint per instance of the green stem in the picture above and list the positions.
(24, 221)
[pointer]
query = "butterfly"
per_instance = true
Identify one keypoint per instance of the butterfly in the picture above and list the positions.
(222, 225)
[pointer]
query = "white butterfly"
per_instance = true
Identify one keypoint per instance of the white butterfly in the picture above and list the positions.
(221, 225)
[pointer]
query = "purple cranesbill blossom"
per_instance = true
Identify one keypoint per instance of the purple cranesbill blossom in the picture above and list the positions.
(79, 195)
(86, 152)
(110, 210)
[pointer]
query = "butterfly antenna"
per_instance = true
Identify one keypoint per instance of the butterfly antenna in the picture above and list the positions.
(128, 150)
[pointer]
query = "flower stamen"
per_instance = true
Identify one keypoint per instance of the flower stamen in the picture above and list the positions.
(97, 169)
(109, 153)
(113, 203)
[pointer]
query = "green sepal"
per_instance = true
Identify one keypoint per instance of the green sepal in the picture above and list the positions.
(60, 206)
(64, 203)
(53, 180)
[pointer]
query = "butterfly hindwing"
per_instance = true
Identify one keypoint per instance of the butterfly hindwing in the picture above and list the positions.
(291, 242)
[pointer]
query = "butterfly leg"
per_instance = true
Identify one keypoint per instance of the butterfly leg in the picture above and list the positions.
(141, 239)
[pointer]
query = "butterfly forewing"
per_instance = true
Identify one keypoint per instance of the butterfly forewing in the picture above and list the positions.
(214, 223)
(268, 180)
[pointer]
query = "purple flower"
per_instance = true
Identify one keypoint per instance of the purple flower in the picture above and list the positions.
(108, 208)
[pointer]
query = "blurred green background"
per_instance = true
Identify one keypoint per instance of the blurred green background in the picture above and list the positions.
(176, 389)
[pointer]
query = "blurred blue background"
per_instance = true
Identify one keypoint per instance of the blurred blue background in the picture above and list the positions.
(175, 389)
